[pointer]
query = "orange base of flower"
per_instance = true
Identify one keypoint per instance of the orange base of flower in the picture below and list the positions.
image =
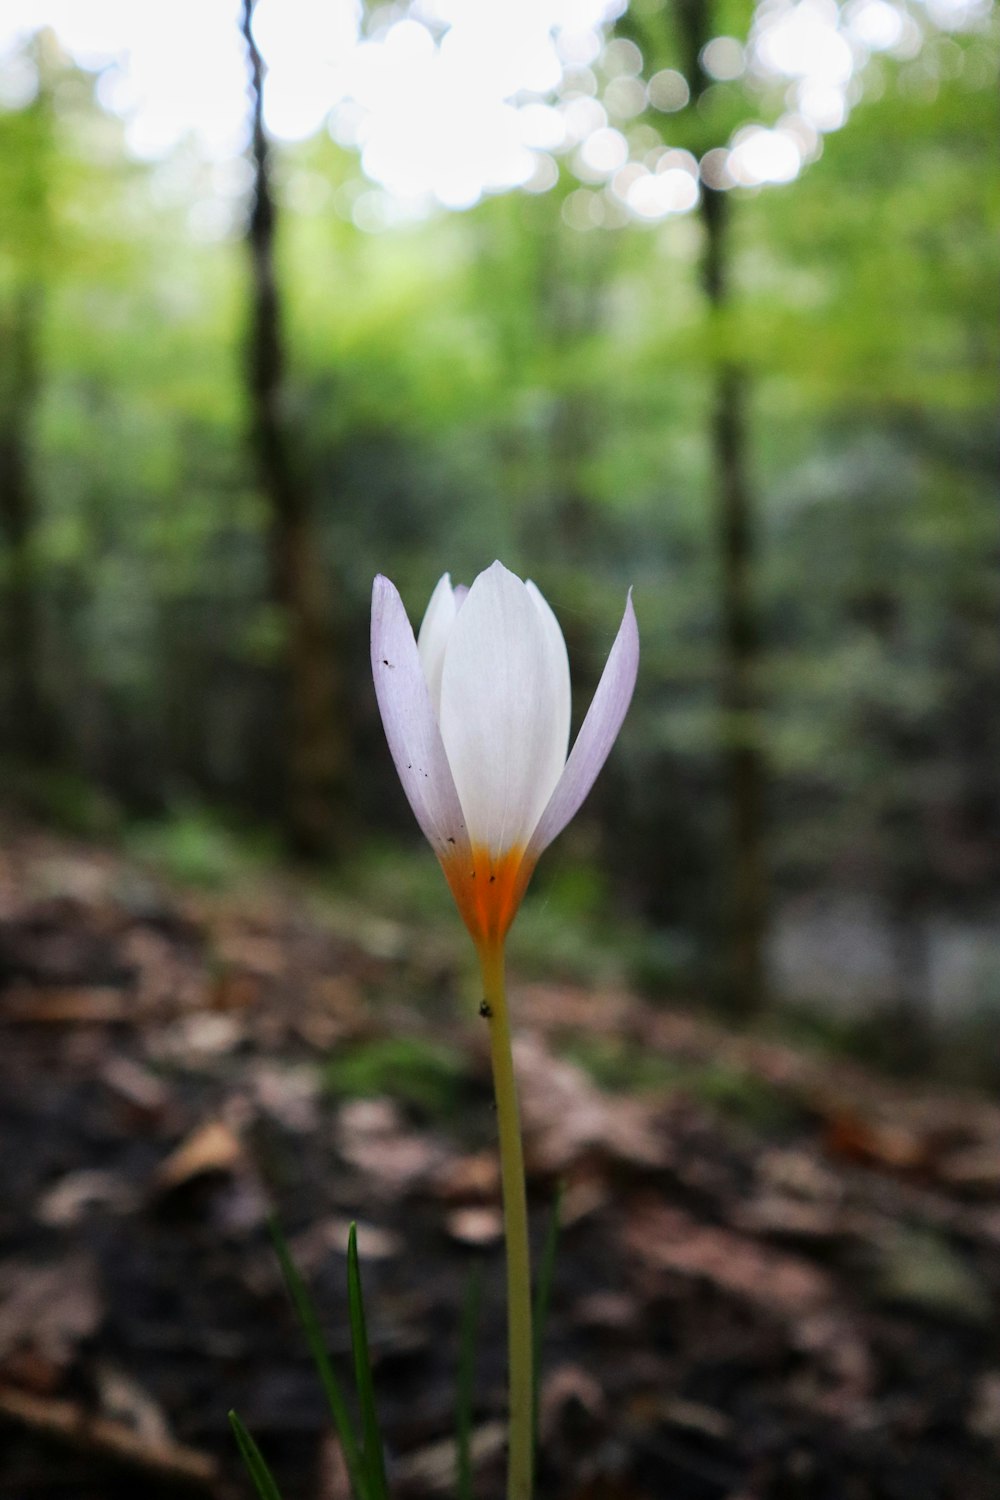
(488, 889)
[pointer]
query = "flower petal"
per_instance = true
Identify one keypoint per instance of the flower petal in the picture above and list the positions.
(432, 636)
(556, 646)
(410, 724)
(597, 733)
(501, 710)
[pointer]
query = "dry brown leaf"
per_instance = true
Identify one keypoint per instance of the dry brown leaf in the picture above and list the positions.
(434, 1468)
(332, 1235)
(67, 1201)
(469, 1178)
(372, 1138)
(975, 1171)
(97, 1005)
(145, 1097)
(891, 1146)
(569, 1385)
(616, 1311)
(70, 1423)
(671, 1240)
(567, 1117)
(477, 1224)
(124, 1400)
(212, 1149)
(49, 1309)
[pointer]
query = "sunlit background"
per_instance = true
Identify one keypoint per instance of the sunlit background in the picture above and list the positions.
(448, 103)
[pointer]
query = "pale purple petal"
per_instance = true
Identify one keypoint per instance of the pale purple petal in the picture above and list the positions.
(597, 733)
(410, 724)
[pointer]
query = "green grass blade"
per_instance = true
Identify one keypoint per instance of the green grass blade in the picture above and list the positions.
(253, 1458)
(373, 1456)
(540, 1312)
(466, 1378)
(306, 1313)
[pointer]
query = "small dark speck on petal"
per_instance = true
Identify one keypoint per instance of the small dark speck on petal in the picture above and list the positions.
(450, 839)
(386, 662)
(492, 878)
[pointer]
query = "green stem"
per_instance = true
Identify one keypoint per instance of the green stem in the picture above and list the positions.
(515, 1215)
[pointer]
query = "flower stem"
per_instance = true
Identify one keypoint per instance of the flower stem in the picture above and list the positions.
(515, 1214)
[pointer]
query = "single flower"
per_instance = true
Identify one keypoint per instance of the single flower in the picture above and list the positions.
(477, 715)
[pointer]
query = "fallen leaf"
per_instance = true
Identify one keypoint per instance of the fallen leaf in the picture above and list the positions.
(61, 1007)
(394, 1159)
(311, 1248)
(567, 1117)
(434, 1467)
(480, 1224)
(67, 1201)
(671, 1240)
(123, 1399)
(145, 1097)
(71, 1423)
(211, 1149)
(469, 1178)
(50, 1308)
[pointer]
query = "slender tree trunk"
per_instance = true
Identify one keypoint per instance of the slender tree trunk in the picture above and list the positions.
(29, 720)
(316, 750)
(743, 767)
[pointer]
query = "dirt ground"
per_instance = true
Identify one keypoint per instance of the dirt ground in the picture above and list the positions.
(778, 1275)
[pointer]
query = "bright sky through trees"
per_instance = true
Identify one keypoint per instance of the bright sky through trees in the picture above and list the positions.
(461, 99)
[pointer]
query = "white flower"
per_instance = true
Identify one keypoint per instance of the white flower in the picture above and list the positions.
(476, 713)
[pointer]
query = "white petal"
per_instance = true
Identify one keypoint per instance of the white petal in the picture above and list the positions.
(597, 733)
(502, 718)
(432, 637)
(411, 725)
(556, 646)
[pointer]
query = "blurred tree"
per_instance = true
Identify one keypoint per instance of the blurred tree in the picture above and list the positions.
(315, 725)
(680, 33)
(27, 150)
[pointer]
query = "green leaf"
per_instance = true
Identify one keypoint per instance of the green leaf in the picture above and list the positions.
(543, 1289)
(254, 1460)
(466, 1377)
(373, 1457)
(307, 1316)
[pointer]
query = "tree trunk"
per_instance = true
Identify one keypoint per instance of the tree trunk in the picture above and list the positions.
(29, 721)
(744, 982)
(316, 750)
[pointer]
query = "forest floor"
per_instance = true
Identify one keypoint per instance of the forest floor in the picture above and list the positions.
(778, 1273)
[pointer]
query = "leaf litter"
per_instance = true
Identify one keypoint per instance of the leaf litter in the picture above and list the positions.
(778, 1275)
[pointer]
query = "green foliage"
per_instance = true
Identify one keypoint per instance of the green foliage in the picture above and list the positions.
(196, 847)
(372, 1456)
(263, 1480)
(365, 1461)
(619, 1065)
(307, 1316)
(428, 1076)
(62, 798)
